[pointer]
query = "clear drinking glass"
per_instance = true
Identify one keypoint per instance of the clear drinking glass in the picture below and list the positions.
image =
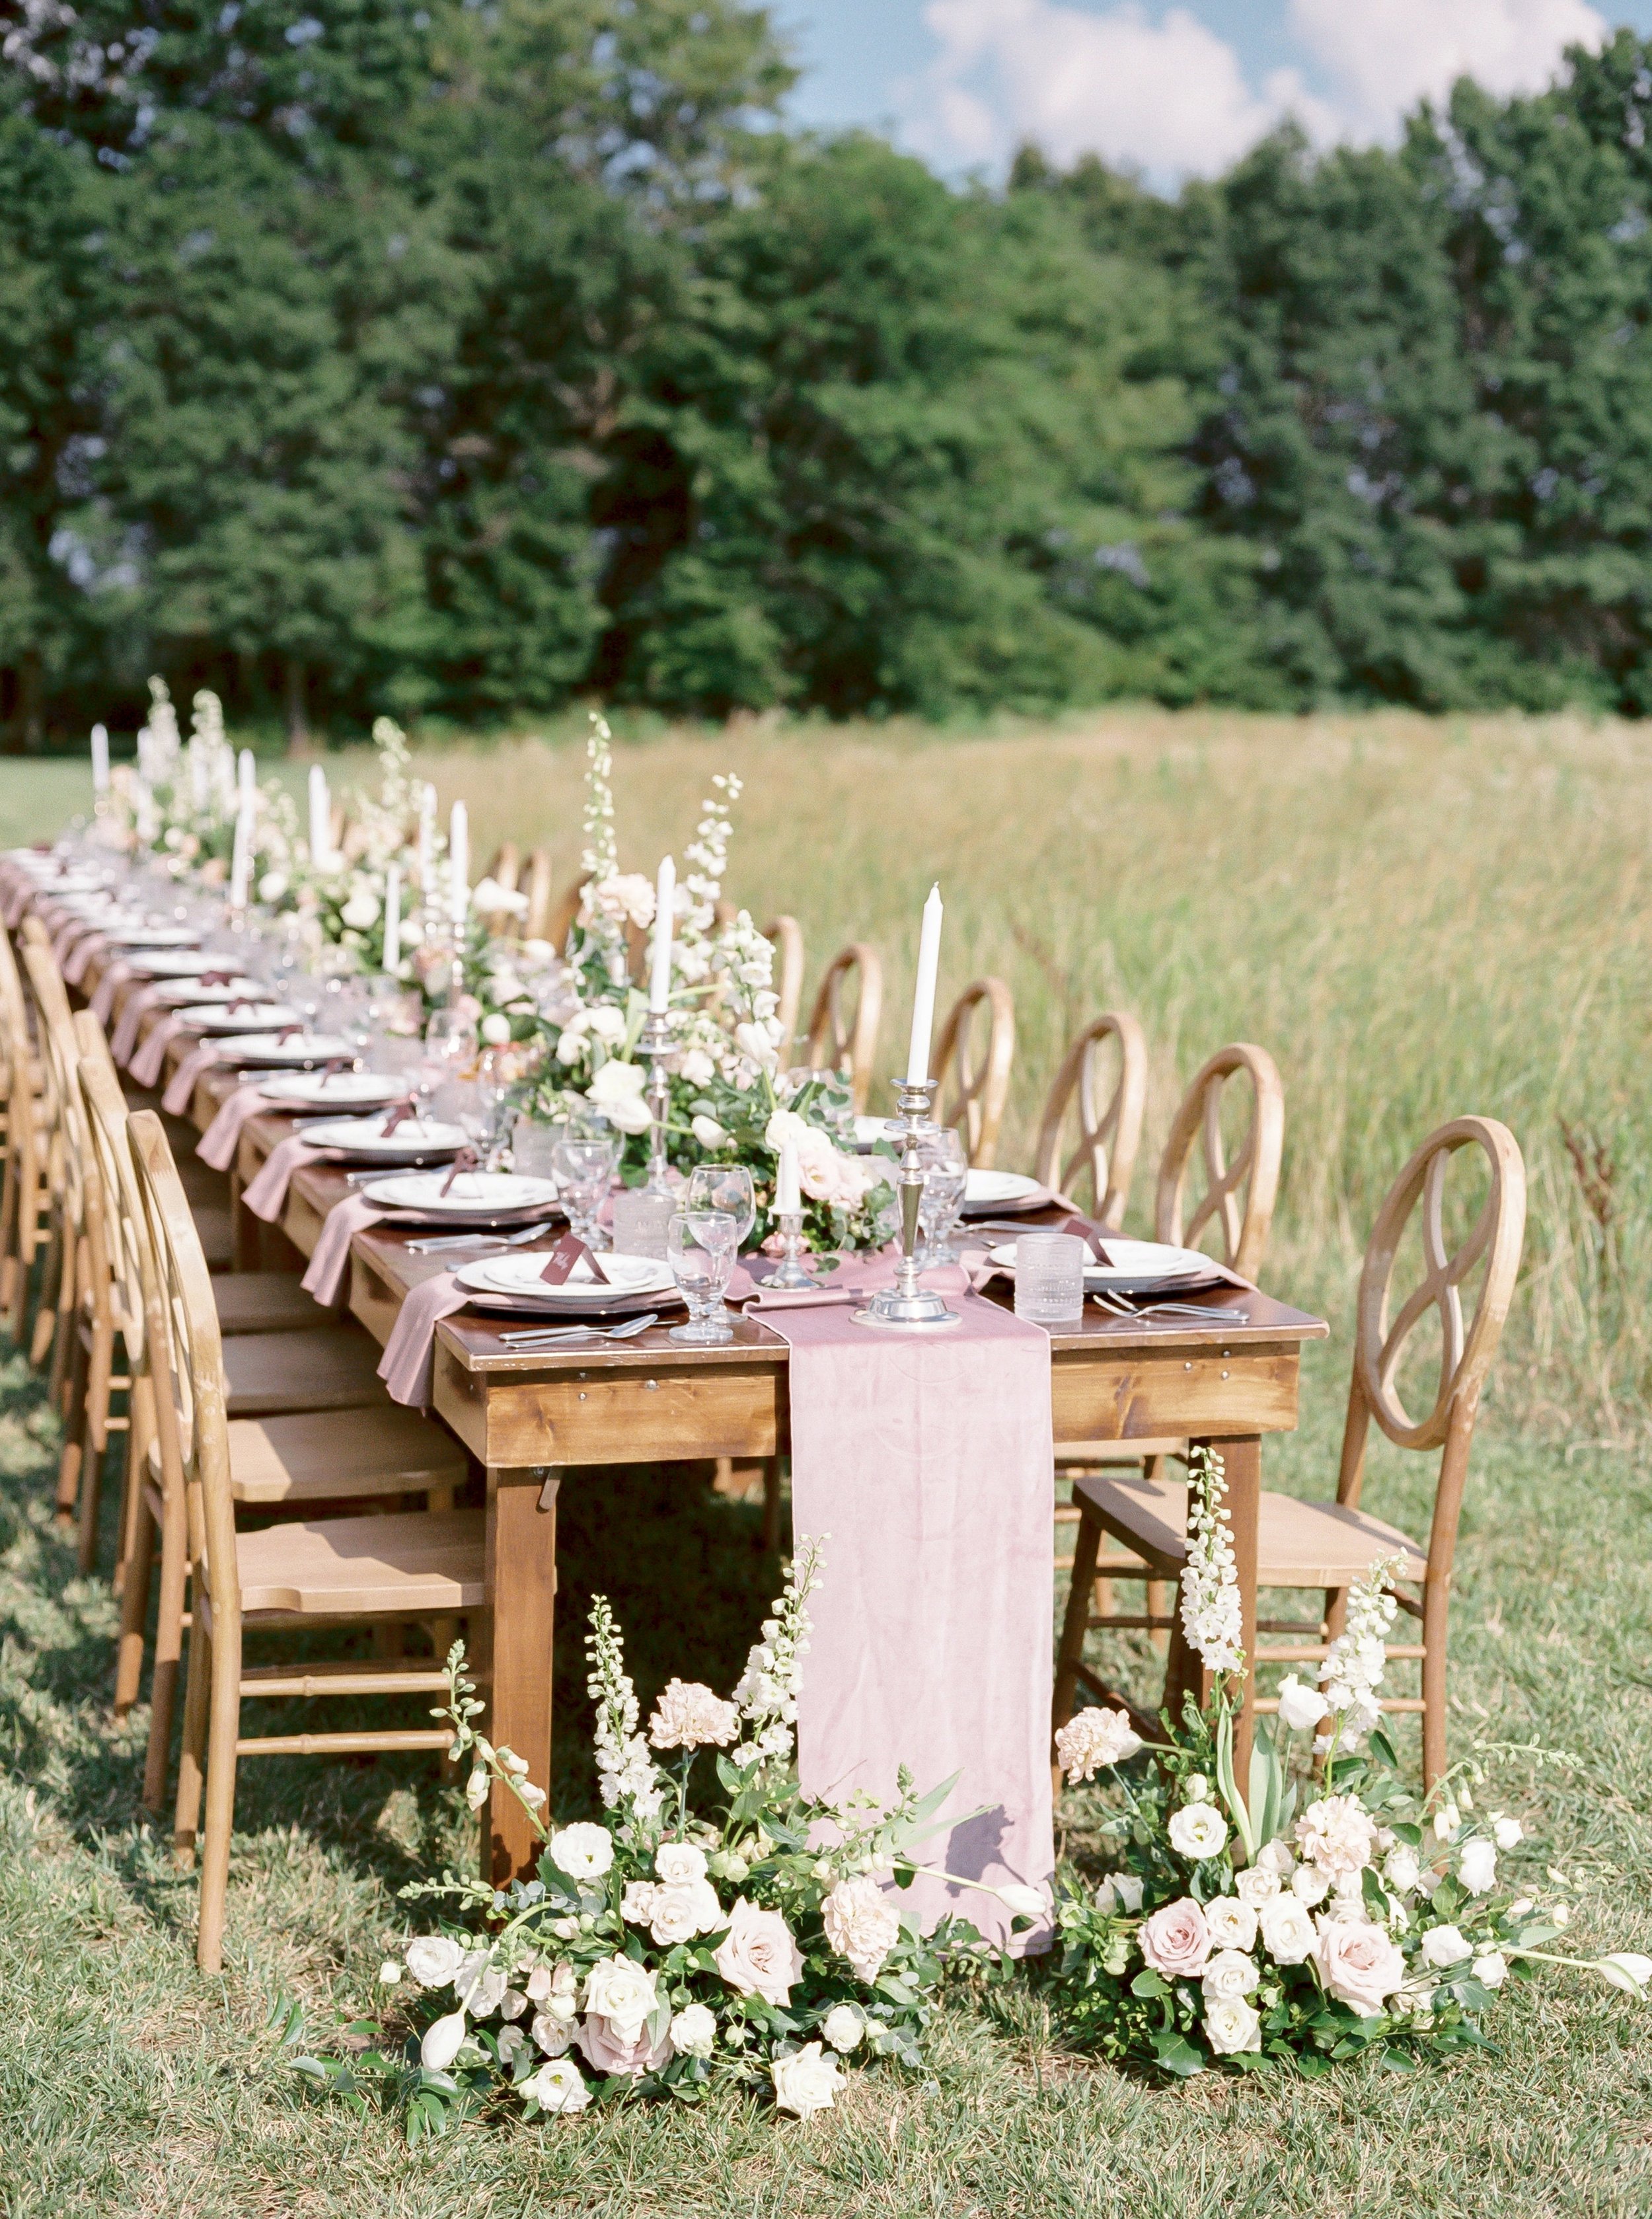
(1050, 1278)
(583, 1171)
(946, 1175)
(700, 1246)
(532, 1147)
(641, 1218)
(726, 1187)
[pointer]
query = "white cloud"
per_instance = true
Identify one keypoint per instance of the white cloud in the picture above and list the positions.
(1163, 93)
(1383, 56)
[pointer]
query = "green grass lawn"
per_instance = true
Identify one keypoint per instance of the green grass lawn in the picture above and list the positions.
(1417, 919)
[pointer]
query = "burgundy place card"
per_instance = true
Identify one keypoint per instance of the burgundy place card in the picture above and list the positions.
(565, 1256)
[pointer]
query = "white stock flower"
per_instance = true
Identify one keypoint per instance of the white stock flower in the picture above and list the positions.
(433, 1959)
(1288, 1932)
(1231, 2026)
(1336, 1834)
(862, 1923)
(843, 2027)
(1301, 1707)
(1197, 1830)
(693, 2031)
(697, 1067)
(806, 2083)
(1447, 1821)
(444, 2039)
(1092, 1738)
(583, 1852)
(1121, 1892)
(627, 898)
(558, 2086)
(689, 1716)
(1491, 1970)
(1229, 1973)
(1210, 1612)
(1231, 1921)
(1444, 1945)
(1477, 1866)
(1256, 1885)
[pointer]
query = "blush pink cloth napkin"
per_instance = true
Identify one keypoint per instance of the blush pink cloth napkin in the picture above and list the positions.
(329, 1267)
(149, 1059)
(266, 1198)
(180, 1087)
(218, 1144)
(78, 961)
(927, 1460)
(132, 1014)
(108, 986)
(408, 1364)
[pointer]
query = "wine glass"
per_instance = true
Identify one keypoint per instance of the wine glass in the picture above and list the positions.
(726, 1187)
(583, 1164)
(700, 1246)
(946, 1176)
(449, 1047)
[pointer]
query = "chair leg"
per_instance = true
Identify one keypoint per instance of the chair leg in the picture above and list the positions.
(46, 1316)
(224, 1674)
(1437, 1601)
(169, 1648)
(72, 1462)
(134, 1611)
(9, 1268)
(1070, 1654)
(186, 1812)
(139, 1432)
(65, 1331)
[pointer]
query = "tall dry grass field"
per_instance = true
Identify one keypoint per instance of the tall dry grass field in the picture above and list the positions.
(1416, 918)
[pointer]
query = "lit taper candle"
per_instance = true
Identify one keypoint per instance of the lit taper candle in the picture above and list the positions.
(392, 920)
(665, 900)
(923, 997)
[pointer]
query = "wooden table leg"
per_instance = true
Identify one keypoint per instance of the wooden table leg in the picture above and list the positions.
(522, 1591)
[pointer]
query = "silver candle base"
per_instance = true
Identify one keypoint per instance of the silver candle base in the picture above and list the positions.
(791, 1271)
(654, 1041)
(907, 1306)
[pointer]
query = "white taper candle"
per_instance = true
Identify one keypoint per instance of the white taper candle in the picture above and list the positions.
(458, 862)
(249, 776)
(100, 759)
(240, 869)
(320, 817)
(788, 1193)
(665, 901)
(923, 996)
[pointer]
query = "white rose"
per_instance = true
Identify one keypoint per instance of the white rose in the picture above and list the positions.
(1231, 1921)
(1491, 1970)
(693, 2031)
(707, 1131)
(843, 2027)
(809, 2081)
(1229, 1973)
(1509, 1831)
(758, 1955)
(1301, 1707)
(1477, 1866)
(1444, 1945)
(1195, 1788)
(1256, 1885)
(558, 2086)
(496, 1031)
(861, 1924)
(360, 911)
(1308, 1885)
(1232, 2026)
(636, 1904)
(1287, 1931)
(1197, 1830)
(620, 1991)
(553, 2033)
(678, 1914)
(680, 1864)
(1119, 1892)
(582, 1851)
(443, 2042)
(433, 1960)
(1402, 1868)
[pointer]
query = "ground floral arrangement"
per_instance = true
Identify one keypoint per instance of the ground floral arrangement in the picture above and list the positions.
(752, 1941)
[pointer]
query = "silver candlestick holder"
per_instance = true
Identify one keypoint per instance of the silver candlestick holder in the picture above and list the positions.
(790, 1271)
(906, 1306)
(654, 1041)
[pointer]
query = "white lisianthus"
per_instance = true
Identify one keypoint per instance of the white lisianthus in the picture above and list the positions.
(1195, 1788)
(444, 2039)
(1231, 2026)
(1628, 1969)
(1120, 1893)
(1491, 1970)
(558, 2086)
(1023, 1901)
(1477, 1866)
(1301, 1707)
(583, 1852)
(637, 1904)
(1509, 1833)
(677, 1914)
(679, 1864)
(1231, 1921)
(707, 1131)
(1197, 1830)
(1256, 1885)
(480, 1985)
(693, 2031)
(553, 2032)
(514, 2005)
(1093, 1738)
(843, 2027)
(1229, 1973)
(1288, 1932)
(807, 2082)
(433, 1959)
(1444, 1945)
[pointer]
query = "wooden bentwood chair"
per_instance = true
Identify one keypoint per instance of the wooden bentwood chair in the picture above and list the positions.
(973, 1092)
(840, 1040)
(1332, 1544)
(300, 1576)
(1109, 1131)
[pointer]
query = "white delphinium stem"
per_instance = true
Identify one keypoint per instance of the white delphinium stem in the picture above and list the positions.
(599, 858)
(1212, 1619)
(626, 1772)
(767, 1689)
(1356, 1660)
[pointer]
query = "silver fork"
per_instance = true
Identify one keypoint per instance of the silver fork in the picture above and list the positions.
(439, 1242)
(1116, 1308)
(548, 1336)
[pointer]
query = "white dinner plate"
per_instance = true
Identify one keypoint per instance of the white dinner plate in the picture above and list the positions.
(153, 936)
(521, 1276)
(334, 1089)
(298, 1054)
(998, 1190)
(253, 1017)
(197, 994)
(170, 963)
(473, 1193)
(1135, 1263)
(367, 1138)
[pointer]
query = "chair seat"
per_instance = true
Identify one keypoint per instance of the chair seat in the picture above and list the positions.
(330, 1456)
(264, 1301)
(328, 1368)
(366, 1567)
(1299, 1544)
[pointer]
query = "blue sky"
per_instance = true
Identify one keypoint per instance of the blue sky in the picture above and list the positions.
(1173, 88)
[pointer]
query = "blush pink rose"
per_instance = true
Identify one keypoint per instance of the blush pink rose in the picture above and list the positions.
(1358, 1963)
(757, 1955)
(607, 2051)
(1175, 1940)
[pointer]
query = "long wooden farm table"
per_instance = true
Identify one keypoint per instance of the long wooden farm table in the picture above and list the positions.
(527, 1418)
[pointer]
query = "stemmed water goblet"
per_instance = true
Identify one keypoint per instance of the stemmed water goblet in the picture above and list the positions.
(946, 1179)
(583, 1162)
(726, 1187)
(700, 1247)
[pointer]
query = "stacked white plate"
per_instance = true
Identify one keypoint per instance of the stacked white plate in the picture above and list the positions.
(472, 1194)
(521, 1277)
(197, 993)
(253, 1017)
(300, 1054)
(365, 1137)
(153, 936)
(172, 963)
(987, 1191)
(334, 1090)
(1135, 1267)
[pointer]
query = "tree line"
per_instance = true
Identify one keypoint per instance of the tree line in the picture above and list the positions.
(458, 359)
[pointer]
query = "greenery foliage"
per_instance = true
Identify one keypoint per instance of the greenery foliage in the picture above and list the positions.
(368, 357)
